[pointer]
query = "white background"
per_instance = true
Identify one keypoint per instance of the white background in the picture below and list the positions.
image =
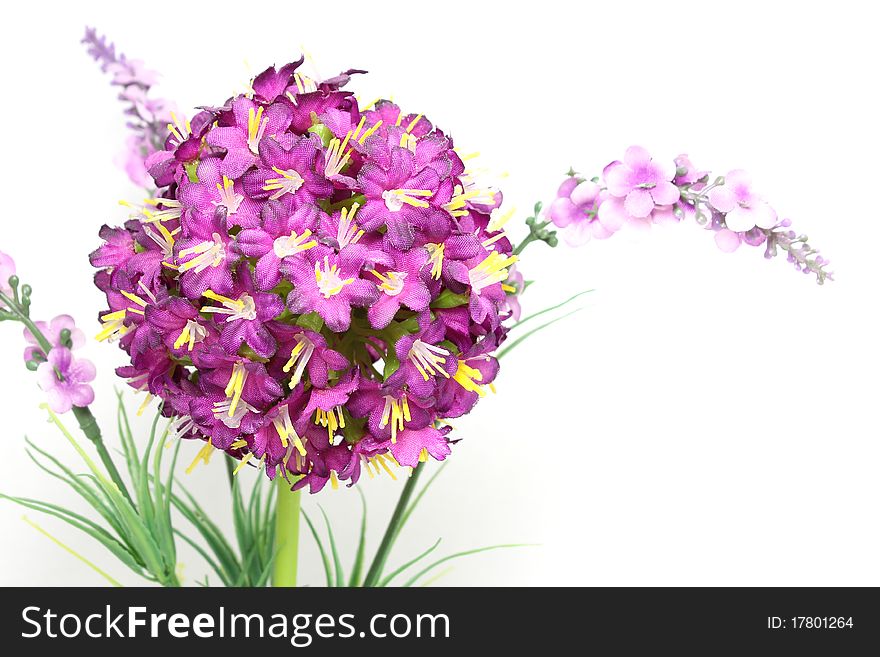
(707, 419)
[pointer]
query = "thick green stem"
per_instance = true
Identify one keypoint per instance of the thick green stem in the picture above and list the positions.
(286, 535)
(397, 517)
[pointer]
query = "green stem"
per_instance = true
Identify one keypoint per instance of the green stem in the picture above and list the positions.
(381, 557)
(84, 417)
(286, 535)
(531, 237)
(89, 426)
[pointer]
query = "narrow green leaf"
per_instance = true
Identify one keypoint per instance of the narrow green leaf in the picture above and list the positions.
(357, 568)
(227, 563)
(337, 562)
(217, 568)
(520, 339)
(169, 485)
(115, 548)
(142, 482)
(457, 555)
(209, 531)
(72, 480)
(387, 580)
(434, 578)
(70, 550)
(261, 581)
(139, 534)
(239, 520)
(162, 523)
(550, 309)
(419, 496)
(129, 448)
(321, 549)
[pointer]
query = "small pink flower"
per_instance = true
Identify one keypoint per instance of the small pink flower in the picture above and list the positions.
(685, 171)
(742, 207)
(65, 380)
(641, 182)
(575, 209)
(52, 332)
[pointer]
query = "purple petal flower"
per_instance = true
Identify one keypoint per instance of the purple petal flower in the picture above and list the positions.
(329, 284)
(65, 380)
(277, 292)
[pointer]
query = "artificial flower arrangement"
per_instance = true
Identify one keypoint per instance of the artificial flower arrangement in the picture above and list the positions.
(315, 287)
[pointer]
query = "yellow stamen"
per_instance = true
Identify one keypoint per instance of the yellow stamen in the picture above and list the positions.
(413, 123)
(490, 271)
(289, 183)
(235, 386)
(332, 419)
(381, 459)
(397, 410)
(143, 406)
(395, 199)
(435, 257)
(369, 132)
(457, 206)
(113, 326)
(489, 242)
(467, 378)
(244, 461)
(204, 455)
(256, 126)
(328, 279)
(498, 220)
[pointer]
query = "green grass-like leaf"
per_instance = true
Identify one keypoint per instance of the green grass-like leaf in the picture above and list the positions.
(387, 580)
(321, 549)
(358, 567)
(528, 334)
(550, 309)
(337, 562)
(412, 580)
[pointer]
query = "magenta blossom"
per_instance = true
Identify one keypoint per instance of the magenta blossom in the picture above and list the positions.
(313, 287)
(329, 284)
(65, 380)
